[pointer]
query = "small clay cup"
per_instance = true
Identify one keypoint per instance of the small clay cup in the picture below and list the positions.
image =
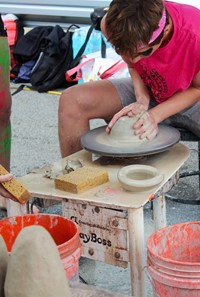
(139, 178)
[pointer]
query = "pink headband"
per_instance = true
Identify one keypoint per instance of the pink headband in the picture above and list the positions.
(161, 26)
(157, 32)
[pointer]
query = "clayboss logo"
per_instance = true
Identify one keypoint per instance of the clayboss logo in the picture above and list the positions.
(94, 238)
(91, 237)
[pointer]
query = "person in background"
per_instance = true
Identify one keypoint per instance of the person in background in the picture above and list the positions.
(159, 41)
(5, 112)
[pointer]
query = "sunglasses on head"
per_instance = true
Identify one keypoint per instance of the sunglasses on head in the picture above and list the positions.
(144, 53)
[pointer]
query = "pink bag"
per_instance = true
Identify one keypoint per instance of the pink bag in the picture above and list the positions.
(91, 69)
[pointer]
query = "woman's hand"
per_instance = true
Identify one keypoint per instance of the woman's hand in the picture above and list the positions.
(146, 126)
(5, 177)
(3, 192)
(130, 110)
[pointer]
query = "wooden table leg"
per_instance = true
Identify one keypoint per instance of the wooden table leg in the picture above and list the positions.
(137, 252)
(159, 211)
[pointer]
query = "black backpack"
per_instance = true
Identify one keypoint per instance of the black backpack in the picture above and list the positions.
(56, 55)
(31, 44)
(55, 58)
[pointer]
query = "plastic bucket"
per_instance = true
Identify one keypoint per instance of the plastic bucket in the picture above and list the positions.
(64, 232)
(173, 257)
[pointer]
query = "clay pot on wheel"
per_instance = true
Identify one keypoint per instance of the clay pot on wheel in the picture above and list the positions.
(123, 131)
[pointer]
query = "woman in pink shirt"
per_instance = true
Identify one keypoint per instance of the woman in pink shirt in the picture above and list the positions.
(160, 43)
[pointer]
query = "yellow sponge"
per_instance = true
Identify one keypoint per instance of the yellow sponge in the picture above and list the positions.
(15, 188)
(82, 179)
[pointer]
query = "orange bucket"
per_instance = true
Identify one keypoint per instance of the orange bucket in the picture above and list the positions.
(64, 232)
(174, 260)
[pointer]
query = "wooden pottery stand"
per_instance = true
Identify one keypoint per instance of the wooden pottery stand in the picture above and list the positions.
(111, 219)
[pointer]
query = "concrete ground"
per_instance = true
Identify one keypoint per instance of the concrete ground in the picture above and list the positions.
(35, 143)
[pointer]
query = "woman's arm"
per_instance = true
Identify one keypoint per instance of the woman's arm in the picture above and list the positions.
(177, 102)
(142, 99)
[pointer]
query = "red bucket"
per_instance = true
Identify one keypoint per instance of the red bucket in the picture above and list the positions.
(64, 232)
(174, 260)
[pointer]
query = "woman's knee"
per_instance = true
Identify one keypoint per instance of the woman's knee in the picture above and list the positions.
(74, 100)
(98, 99)
(66, 99)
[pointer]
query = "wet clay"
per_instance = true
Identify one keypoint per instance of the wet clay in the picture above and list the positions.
(123, 131)
(35, 267)
(3, 264)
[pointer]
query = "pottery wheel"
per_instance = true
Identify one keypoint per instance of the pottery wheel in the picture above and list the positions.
(97, 141)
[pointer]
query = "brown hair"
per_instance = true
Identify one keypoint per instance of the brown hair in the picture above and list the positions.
(130, 23)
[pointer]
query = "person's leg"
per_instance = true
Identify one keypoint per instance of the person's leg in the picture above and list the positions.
(5, 105)
(79, 104)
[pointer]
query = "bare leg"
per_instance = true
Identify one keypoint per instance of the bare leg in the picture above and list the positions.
(5, 109)
(5, 104)
(5, 131)
(78, 105)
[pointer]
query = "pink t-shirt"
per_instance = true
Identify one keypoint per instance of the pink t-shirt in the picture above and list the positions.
(172, 68)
